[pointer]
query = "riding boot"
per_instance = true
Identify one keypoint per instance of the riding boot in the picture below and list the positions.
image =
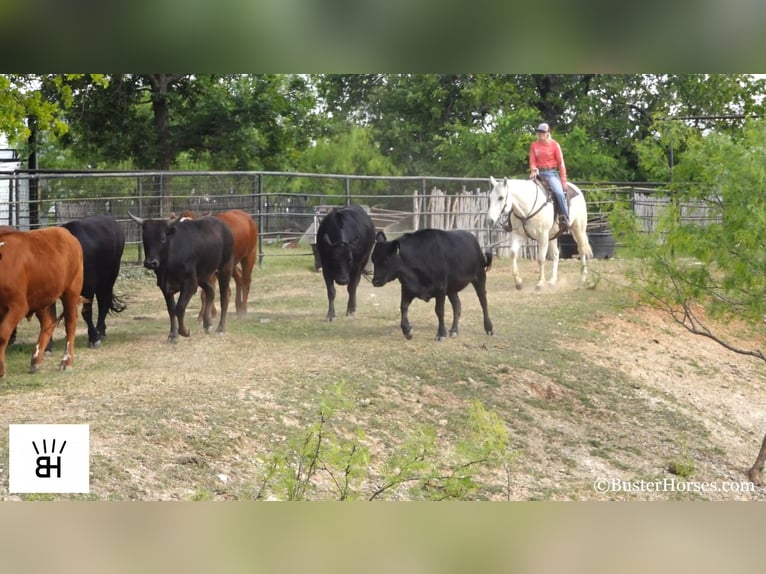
(563, 214)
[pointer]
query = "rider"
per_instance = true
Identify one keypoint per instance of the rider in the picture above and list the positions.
(546, 160)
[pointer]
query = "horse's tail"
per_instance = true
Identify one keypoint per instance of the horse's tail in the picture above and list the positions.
(487, 260)
(587, 248)
(583, 244)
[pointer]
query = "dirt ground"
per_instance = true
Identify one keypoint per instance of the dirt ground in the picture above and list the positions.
(612, 392)
(724, 391)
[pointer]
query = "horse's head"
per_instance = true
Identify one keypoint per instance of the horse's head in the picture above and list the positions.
(500, 203)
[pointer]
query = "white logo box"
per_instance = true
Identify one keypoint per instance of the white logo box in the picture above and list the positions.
(45, 458)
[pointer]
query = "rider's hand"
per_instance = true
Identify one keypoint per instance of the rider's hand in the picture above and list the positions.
(533, 174)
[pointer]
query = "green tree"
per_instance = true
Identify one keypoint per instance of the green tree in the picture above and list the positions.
(694, 271)
(155, 121)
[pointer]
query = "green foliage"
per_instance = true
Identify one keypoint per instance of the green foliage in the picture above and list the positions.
(717, 266)
(326, 450)
(683, 464)
(36, 101)
(292, 470)
(350, 151)
(611, 126)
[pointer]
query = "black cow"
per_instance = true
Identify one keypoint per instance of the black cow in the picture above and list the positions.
(344, 240)
(433, 263)
(103, 241)
(184, 255)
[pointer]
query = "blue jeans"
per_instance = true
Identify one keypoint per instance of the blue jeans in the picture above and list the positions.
(553, 179)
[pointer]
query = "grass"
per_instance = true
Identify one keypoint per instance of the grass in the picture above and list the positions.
(167, 421)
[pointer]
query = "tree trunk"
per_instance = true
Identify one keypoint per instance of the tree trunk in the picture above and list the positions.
(160, 85)
(756, 472)
(34, 193)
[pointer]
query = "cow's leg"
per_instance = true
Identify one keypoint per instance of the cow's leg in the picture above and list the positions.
(441, 332)
(515, 246)
(207, 295)
(480, 285)
(352, 286)
(87, 315)
(236, 274)
(330, 284)
(188, 289)
(248, 264)
(224, 277)
(70, 301)
(553, 247)
(203, 303)
(7, 328)
(104, 299)
(47, 324)
(213, 311)
(52, 311)
(404, 306)
(171, 306)
(454, 300)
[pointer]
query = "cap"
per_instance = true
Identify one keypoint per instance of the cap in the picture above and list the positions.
(543, 127)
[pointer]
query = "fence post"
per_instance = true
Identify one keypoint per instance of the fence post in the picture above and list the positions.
(140, 214)
(259, 179)
(348, 191)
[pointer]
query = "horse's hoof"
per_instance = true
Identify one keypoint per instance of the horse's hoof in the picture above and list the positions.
(33, 368)
(440, 338)
(518, 286)
(408, 335)
(453, 333)
(94, 344)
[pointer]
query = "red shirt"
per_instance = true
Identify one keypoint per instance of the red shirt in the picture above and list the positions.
(548, 155)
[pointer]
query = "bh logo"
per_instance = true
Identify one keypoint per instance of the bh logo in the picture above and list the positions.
(44, 464)
(48, 458)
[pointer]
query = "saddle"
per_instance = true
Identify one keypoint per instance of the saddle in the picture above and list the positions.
(569, 193)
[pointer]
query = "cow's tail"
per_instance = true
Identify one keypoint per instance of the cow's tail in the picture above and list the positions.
(116, 305)
(487, 260)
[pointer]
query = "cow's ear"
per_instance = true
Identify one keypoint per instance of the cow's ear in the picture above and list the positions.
(380, 237)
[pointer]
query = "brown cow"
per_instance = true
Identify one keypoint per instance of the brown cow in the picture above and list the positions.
(245, 233)
(36, 268)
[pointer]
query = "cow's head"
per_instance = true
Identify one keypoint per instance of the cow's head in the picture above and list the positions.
(154, 233)
(341, 260)
(385, 258)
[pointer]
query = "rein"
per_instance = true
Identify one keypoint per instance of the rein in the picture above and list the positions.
(526, 218)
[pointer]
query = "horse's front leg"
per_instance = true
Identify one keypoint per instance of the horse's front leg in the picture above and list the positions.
(553, 247)
(515, 245)
(542, 253)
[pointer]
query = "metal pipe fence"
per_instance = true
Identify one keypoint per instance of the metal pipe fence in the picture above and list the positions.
(286, 205)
